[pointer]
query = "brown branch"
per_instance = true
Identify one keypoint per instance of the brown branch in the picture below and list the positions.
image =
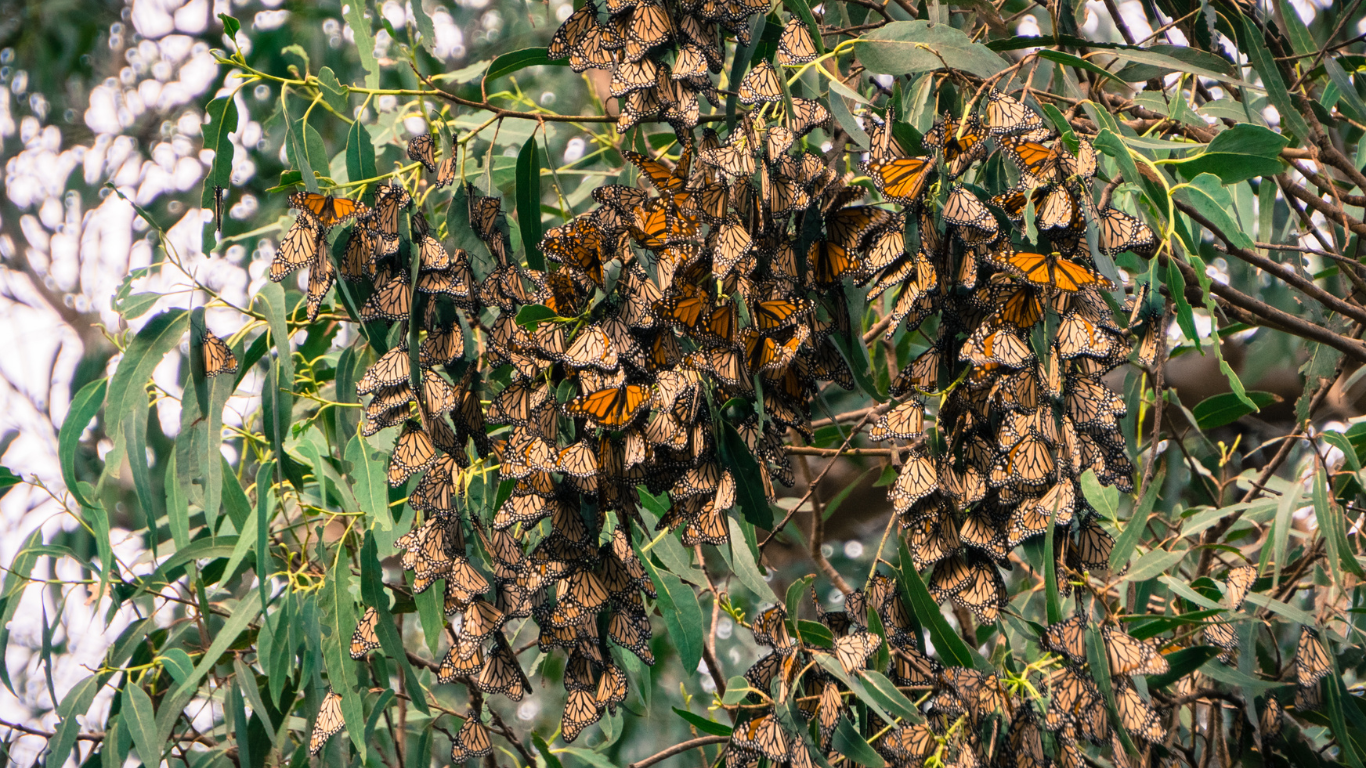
(810, 450)
(1329, 211)
(1286, 274)
(1266, 314)
(679, 749)
(538, 116)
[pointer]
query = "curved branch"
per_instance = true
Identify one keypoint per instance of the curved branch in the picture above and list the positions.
(679, 749)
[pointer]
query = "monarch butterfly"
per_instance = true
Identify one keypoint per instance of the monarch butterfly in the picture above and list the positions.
(773, 314)
(445, 172)
(649, 26)
(980, 533)
(464, 659)
(484, 213)
(365, 639)
(806, 116)
(853, 651)
(1092, 405)
(501, 673)
(611, 408)
(962, 143)
(795, 46)
(571, 34)
(389, 371)
(1272, 718)
(358, 256)
(900, 180)
(1311, 660)
(984, 592)
(631, 76)
(413, 452)
(1053, 271)
(632, 632)
(733, 159)
(963, 209)
(423, 150)
(777, 140)
(299, 248)
(996, 344)
(322, 274)
(664, 178)
(732, 243)
(1238, 583)
(218, 357)
(327, 211)
(1129, 656)
(911, 743)
(830, 262)
(1093, 547)
(761, 85)
(1005, 115)
(392, 299)
(1121, 232)
(329, 722)
(764, 735)
(1041, 163)
(1137, 717)
(471, 741)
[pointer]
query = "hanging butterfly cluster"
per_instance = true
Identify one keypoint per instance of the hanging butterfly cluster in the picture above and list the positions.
(813, 672)
(1077, 708)
(1022, 342)
(660, 56)
(703, 315)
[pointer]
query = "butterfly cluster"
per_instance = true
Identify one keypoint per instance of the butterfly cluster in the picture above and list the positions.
(661, 57)
(873, 634)
(1023, 339)
(698, 316)
(1076, 707)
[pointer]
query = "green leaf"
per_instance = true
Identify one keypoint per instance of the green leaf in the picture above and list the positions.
(814, 633)
(334, 93)
(231, 26)
(340, 615)
(1242, 152)
(1100, 672)
(372, 591)
(1070, 60)
(887, 695)
(8, 480)
(529, 202)
(1226, 408)
(1169, 61)
(532, 315)
(908, 47)
(511, 62)
(950, 646)
(1181, 663)
(270, 301)
(1284, 610)
(135, 305)
(1133, 529)
(127, 392)
(222, 121)
(1251, 42)
(425, 27)
(84, 407)
(551, 761)
(1202, 275)
(703, 724)
(74, 706)
(856, 355)
(1154, 563)
(682, 614)
(850, 743)
(365, 42)
(743, 564)
(360, 153)
(369, 477)
(845, 119)
(1207, 195)
(142, 722)
(1350, 101)
(588, 756)
(748, 485)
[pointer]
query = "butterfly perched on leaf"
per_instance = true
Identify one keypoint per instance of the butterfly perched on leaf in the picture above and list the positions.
(218, 357)
(327, 211)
